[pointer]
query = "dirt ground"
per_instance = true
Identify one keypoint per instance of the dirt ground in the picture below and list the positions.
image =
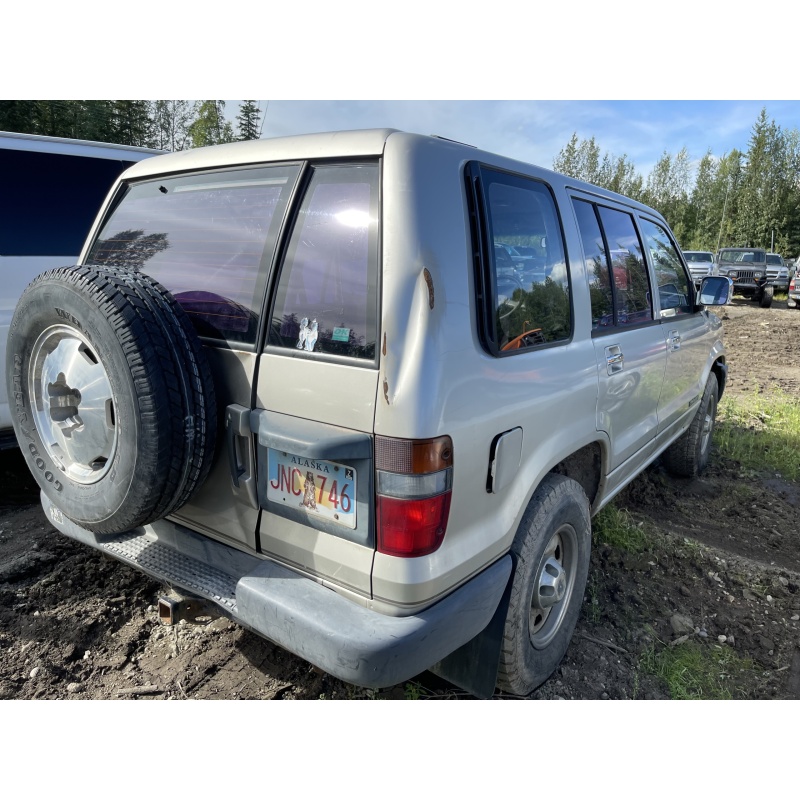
(75, 624)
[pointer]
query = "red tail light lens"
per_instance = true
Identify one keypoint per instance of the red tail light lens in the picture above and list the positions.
(413, 480)
(410, 528)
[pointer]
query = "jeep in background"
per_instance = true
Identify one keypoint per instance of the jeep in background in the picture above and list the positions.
(747, 268)
(777, 272)
(304, 380)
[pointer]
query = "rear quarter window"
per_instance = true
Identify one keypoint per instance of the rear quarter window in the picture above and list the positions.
(526, 280)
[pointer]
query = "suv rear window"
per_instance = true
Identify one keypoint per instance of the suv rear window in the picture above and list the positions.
(327, 296)
(208, 238)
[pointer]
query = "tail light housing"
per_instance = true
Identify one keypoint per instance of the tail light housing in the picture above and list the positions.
(413, 485)
(792, 284)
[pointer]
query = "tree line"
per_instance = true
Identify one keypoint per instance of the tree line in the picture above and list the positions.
(162, 124)
(745, 198)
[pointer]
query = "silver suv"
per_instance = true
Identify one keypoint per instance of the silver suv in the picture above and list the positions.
(364, 392)
(700, 263)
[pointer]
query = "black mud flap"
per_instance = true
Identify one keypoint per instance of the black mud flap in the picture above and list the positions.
(473, 667)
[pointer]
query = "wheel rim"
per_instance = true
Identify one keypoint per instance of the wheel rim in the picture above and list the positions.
(553, 587)
(73, 404)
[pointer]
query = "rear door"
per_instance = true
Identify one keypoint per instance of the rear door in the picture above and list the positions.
(630, 351)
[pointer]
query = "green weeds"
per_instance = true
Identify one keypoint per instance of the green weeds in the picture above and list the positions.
(693, 671)
(615, 526)
(761, 433)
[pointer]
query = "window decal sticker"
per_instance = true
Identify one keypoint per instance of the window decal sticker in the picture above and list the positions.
(341, 335)
(308, 335)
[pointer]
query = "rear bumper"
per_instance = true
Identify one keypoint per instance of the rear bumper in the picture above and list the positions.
(351, 642)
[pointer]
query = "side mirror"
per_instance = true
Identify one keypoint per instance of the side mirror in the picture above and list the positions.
(715, 291)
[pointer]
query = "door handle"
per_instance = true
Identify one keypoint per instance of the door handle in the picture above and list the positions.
(674, 340)
(239, 441)
(615, 359)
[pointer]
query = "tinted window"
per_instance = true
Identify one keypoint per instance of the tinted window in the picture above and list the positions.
(530, 292)
(207, 238)
(631, 286)
(326, 300)
(618, 283)
(673, 284)
(596, 263)
(48, 202)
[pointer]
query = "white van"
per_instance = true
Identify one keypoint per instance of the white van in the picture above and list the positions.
(50, 191)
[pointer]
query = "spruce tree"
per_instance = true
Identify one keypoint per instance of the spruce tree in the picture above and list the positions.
(248, 121)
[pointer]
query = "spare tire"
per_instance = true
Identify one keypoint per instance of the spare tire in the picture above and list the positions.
(113, 400)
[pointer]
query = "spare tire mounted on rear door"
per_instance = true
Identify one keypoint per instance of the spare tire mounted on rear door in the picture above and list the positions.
(114, 406)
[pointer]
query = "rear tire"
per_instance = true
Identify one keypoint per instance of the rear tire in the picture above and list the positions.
(766, 297)
(115, 410)
(551, 554)
(688, 456)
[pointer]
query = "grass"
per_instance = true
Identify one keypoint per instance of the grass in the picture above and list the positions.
(693, 671)
(761, 433)
(615, 526)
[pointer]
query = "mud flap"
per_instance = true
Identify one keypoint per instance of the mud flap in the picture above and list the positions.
(473, 667)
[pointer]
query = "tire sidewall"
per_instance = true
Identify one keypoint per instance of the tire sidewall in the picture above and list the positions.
(57, 303)
(709, 400)
(559, 501)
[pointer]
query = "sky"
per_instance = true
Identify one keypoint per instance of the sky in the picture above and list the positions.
(536, 130)
(512, 78)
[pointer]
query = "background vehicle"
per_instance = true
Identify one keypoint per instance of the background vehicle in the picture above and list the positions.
(413, 432)
(701, 264)
(777, 272)
(50, 193)
(747, 268)
(793, 300)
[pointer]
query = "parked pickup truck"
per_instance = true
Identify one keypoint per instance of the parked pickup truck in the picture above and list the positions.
(303, 380)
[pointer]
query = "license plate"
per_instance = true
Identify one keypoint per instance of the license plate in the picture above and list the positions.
(324, 488)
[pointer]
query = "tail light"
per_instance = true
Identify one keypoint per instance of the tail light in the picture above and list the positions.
(791, 284)
(413, 480)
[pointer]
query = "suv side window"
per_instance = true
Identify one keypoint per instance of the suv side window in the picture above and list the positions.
(674, 293)
(529, 290)
(326, 300)
(207, 238)
(615, 266)
(596, 262)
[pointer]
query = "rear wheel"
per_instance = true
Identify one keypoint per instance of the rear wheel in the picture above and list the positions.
(766, 296)
(115, 408)
(551, 552)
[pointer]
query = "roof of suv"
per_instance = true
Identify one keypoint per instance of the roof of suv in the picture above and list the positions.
(336, 144)
(286, 148)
